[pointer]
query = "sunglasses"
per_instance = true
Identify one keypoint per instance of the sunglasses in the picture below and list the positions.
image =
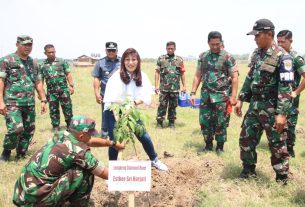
(111, 50)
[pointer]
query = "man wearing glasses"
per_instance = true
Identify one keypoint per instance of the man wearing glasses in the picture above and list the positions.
(102, 71)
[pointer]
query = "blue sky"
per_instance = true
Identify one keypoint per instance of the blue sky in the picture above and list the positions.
(82, 27)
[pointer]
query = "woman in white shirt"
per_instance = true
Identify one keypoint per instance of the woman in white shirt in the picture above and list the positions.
(130, 82)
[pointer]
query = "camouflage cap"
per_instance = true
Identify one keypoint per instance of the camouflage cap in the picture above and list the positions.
(261, 25)
(24, 39)
(111, 45)
(83, 124)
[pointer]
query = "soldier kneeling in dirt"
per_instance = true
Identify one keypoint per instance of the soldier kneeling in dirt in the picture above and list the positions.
(63, 170)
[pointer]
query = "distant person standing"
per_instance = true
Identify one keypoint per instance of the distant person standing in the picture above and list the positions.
(19, 78)
(102, 71)
(56, 73)
(170, 69)
(217, 70)
(284, 39)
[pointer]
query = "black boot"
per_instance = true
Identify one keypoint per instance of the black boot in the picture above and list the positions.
(281, 178)
(6, 154)
(248, 171)
(208, 146)
(20, 153)
(159, 124)
(219, 148)
(291, 151)
(171, 124)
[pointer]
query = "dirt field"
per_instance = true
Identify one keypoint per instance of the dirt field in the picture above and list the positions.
(178, 187)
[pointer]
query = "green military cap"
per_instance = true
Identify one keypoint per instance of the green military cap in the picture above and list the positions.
(83, 124)
(24, 39)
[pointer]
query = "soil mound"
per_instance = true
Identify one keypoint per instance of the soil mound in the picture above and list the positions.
(177, 187)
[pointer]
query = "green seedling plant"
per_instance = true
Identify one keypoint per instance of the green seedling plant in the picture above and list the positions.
(129, 122)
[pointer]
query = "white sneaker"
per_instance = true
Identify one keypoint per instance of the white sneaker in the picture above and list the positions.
(159, 165)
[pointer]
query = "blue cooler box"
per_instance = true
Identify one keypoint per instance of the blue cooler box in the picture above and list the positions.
(184, 100)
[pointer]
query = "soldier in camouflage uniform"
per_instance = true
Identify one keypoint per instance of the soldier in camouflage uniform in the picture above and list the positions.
(63, 170)
(56, 72)
(267, 88)
(19, 77)
(284, 39)
(169, 71)
(217, 70)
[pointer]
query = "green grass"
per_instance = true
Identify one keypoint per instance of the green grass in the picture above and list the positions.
(224, 189)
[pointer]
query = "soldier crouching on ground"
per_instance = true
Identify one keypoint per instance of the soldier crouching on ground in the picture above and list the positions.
(63, 170)
(267, 87)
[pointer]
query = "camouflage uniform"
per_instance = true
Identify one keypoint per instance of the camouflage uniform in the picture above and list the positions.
(54, 73)
(19, 96)
(171, 69)
(60, 171)
(299, 66)
(215, 91)
(268, 96)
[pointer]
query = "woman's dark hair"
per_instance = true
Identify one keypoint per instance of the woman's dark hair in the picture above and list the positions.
(125, 77)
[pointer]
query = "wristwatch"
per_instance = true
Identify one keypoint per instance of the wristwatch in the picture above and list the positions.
(72, 85)
(44, 101)
(193, 93)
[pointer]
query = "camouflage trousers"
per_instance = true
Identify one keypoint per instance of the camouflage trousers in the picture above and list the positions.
(213, 121)
(228, 120)
(74, 186)
(291, 122)
(20, 123)
(261, 116)
(168, 101)
(59, 96)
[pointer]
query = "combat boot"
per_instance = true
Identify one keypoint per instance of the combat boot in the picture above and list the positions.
(20, 155)
(6, 154)
(159, 124)
(219, 148)
(291, 151)
(248, 171)
(208, 146)
(281, 178)
(171, 124)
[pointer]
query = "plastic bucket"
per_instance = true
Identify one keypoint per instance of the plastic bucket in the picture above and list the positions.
(184, 100)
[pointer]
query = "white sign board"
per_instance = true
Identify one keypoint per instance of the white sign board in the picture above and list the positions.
(129, 175)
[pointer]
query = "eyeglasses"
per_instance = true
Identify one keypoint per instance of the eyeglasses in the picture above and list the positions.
(111, 50)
